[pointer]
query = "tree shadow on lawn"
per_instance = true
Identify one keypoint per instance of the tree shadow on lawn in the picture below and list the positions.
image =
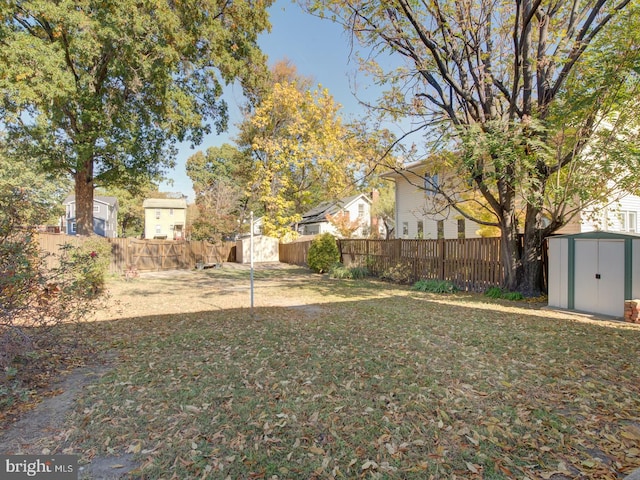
(374, 385)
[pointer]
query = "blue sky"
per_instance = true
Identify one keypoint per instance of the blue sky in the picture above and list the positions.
(318, 48)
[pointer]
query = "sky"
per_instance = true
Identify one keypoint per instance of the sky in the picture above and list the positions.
(317, 47)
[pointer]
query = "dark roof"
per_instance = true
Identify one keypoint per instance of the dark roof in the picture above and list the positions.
(319, 213)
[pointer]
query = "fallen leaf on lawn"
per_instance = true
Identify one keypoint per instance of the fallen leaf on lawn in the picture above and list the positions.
(134, 448)
(471, 467)
(630, 432)
(369, 465)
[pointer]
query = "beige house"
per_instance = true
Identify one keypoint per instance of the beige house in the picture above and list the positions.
(416, 215)
(165, 218)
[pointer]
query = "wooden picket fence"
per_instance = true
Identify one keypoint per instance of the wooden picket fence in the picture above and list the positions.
(147, 255)
(470, 264)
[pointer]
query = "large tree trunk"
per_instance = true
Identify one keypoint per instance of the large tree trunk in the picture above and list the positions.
(532, 264)
(84, 198)
(510, 252)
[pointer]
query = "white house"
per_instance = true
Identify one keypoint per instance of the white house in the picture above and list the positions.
(355, 210)
(619, 216)
(415, 216)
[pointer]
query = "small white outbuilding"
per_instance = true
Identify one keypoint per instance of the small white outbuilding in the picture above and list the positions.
(594, 272)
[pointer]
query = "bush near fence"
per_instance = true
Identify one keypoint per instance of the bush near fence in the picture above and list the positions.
(149, 255)
(471, 264)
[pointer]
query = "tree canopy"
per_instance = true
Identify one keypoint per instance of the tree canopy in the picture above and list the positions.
(302, 151)
(102, 90)
(220, 177)
(533, 99)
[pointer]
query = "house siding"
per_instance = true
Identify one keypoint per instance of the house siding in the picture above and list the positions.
(411, 208)
(608, 218)
(105, 216)
(167, 221)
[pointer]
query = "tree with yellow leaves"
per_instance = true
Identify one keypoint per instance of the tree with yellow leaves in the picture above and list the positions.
(303, 153)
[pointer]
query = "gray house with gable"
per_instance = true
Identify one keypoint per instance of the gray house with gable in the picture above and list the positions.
(105, 216)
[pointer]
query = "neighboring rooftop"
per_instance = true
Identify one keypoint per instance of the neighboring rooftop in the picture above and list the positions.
(97, 198)
(164, 203)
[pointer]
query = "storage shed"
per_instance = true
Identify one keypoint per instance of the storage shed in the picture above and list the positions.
(594, 272)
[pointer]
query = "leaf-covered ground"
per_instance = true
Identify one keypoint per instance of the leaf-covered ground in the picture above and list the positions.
(356, 380)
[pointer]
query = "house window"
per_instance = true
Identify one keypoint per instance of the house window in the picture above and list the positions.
(158, 229)
(96, 209)
(405, 229)
(420, 229)
(73, 227)
(440, 229)
(171, 212)
(431, 184)
(461, 230)
(360, 210)
(157, 214)
(628, 221)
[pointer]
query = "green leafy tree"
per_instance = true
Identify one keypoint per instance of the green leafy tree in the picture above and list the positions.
(220, 177)
(46, 191)
(536, 99)
(102, 91)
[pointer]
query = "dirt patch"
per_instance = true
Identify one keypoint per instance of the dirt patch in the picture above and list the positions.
(41, 430)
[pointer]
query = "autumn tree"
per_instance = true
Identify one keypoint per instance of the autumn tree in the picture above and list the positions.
(535, 99)
(383, 207)
(344, 225)
(103, 90)
(302, 151)
(220, 177)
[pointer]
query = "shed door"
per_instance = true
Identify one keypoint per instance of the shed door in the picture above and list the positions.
(599, 276)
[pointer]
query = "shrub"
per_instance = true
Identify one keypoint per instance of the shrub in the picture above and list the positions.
(497, 292)
(493, 292)
(399, 273)
(91, 263)
(349, 273)
(434, 286)
(323, 253)
(37, 300)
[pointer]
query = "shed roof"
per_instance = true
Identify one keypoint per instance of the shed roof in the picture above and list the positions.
(598, 234)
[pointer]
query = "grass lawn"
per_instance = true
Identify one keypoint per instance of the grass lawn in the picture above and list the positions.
(360, 379)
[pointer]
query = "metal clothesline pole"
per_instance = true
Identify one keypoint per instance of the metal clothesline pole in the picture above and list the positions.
(251, 258)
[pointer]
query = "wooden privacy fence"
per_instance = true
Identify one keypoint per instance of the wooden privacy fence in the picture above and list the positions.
(471, 264)
(294, 253)
(148, 255)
